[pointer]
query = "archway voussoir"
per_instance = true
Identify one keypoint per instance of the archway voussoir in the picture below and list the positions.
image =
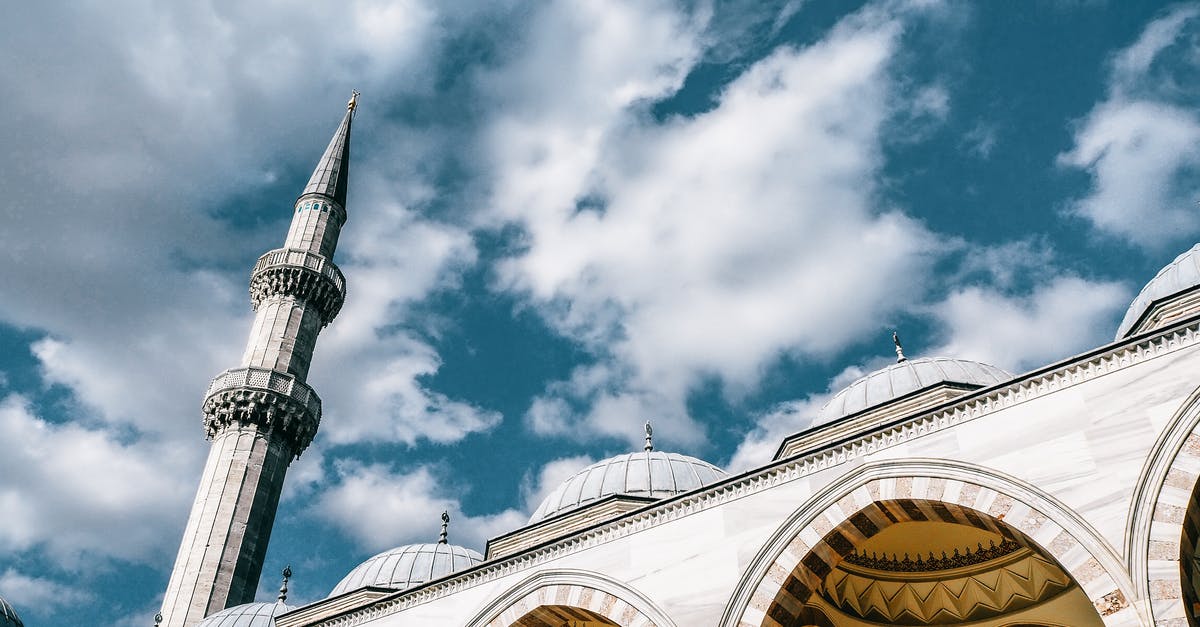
(887, 489)
(935, 488)
(920, 488)
(952, 491)
(969, 495)
(862, 498)
(823, 525)
(1167, 513)
(1168, 611)
(1162, 550)
(754, 618)
(1184, 476)
(623, 613)
(984, 499)
(779, 573)
(904, 487)
(873, 488)
(1061, 545)
(1099, 586)
(1177, 497)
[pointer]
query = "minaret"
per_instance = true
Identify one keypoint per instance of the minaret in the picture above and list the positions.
(262, 415)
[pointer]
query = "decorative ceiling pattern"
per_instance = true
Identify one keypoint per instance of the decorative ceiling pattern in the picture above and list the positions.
(977, 592)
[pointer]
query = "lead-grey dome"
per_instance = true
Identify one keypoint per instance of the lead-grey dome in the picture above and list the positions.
(1177, 276)
(8, 616)
(248, 615)
(648, 474)
(409, 565)
(904, 377)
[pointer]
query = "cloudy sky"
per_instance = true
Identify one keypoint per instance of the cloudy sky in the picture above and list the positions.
(566, 218)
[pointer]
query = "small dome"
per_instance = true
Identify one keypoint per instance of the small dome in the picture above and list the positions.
(904, 377)
(647, 473)
(409, 565)
(1177, 276)
(8, 616)
(248, 615)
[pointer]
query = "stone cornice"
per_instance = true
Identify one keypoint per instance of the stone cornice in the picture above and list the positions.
(1062, 375)
(303, 275)
(277, 403)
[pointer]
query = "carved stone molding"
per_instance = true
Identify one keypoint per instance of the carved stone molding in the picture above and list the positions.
(303, 275)
(274, 402)
(1101, 362)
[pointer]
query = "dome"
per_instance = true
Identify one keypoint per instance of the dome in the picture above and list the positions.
(1177, 276)
(409, 565)
(904, 377)
(8, 616)
(248, 615)
(652, 474)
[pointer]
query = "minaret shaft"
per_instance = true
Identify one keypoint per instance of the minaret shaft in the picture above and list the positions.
(220, 560)
(262, 414)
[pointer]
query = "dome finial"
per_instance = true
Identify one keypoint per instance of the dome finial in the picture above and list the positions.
(283, 590)
(899, 349)
(353, 104)
(157, 619)
(649, 437)
(445, 527)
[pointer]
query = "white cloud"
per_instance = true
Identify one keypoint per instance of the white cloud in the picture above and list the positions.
(1130, 66)
(367, 368)
(760, 444)
(30, 594)
(380, 508)
(536, 487)
(61, 474)
(1015, 332)
(1137, 153)
(1140, 145)
(721, 241)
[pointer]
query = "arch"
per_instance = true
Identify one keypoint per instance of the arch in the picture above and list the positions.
(593, 593)
(1164, 511)
(1061, 533)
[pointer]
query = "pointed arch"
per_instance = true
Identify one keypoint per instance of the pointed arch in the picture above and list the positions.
(594, 593)
(1080, 550)
(1165, 517)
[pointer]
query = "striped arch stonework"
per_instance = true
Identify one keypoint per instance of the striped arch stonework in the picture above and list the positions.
(1174, 531)
(833, 533)
(565, 601)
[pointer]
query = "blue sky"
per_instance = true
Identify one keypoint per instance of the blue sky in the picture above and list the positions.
(565, 219)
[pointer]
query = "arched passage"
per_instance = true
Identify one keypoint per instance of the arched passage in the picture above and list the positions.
(918, 562)
(1165, 521)
(557, 598)
(1063, 536)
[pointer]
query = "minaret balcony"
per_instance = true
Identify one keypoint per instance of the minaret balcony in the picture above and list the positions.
(276, 402)
(301, 274)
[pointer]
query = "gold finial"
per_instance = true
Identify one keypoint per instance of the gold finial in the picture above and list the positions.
(899, 349)
(353, 104)
(649, 437)
(445, 527)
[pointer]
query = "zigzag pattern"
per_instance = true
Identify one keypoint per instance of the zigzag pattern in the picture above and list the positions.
(1022, 583)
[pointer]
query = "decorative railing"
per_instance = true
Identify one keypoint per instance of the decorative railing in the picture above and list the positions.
(300, 274)
(303, 259)
(932, 563)
(275, 402)
(267, 379)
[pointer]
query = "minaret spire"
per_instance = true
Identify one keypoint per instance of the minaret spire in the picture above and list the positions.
(262, 414)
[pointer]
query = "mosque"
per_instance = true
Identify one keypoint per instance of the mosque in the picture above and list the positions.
(934, 491)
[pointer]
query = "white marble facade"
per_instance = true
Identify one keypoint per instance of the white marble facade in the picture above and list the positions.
(1094, 458)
